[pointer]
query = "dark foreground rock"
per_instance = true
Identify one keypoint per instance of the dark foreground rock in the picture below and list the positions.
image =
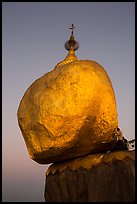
(108, 177)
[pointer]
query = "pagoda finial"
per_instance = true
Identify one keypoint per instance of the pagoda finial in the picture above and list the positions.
(72, 28)
(71, 43)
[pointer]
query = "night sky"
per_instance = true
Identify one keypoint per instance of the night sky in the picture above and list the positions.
(33, 37)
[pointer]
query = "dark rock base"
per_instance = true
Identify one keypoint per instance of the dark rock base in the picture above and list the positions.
(112, 181)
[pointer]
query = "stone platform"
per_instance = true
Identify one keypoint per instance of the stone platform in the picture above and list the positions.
(105, 177)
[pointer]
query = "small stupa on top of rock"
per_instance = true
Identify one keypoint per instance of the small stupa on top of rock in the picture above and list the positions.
(70, 111)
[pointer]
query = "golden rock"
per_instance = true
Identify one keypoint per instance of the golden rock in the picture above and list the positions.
(69, 112)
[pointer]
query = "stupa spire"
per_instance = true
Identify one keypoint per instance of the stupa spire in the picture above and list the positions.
(71, 45)
(72, 28)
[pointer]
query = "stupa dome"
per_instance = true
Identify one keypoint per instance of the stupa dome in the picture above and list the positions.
(69, 111)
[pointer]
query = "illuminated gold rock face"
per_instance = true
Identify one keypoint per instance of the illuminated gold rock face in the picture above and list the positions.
(69, 112)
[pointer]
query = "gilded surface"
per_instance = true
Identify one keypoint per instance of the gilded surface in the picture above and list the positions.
(87, 162)
(69, 112)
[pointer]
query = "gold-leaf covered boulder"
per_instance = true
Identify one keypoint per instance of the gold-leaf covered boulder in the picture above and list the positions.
(69, 112)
